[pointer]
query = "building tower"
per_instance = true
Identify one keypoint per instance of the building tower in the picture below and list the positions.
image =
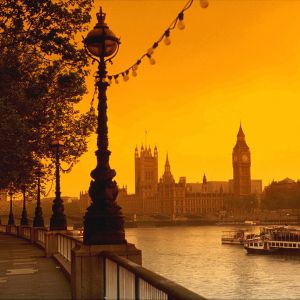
(146, 172)
(241, 161)
(166, 191)
(204, 184)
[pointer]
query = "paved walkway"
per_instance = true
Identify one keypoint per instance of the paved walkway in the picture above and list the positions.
(25, 272)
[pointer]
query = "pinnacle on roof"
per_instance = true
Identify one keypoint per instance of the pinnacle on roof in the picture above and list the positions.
(167, 161)
(241, 132)
(204, 178)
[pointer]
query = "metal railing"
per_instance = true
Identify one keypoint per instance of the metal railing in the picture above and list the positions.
(124, 279)
(65, 244)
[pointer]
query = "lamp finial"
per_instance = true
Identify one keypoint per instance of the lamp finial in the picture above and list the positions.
(101, 16)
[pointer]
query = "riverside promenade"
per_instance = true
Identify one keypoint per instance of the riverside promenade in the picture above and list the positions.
(37, 263)
(26, 273)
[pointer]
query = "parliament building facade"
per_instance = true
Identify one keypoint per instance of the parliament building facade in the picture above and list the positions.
(165, 197)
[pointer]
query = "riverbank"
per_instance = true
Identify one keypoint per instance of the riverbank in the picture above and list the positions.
(201, 222)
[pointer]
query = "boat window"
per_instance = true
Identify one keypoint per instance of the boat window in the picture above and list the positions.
(281, 244)
(251, 244)
(290, 245)
(273, 244)
(277, 244)
(260, 244)
(299, 245)
(255, 245)
(294, 245)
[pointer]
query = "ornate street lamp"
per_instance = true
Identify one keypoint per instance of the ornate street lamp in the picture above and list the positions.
(24, 220)
(103, 221)
(38, 220)
(58, 219)
(11, 219)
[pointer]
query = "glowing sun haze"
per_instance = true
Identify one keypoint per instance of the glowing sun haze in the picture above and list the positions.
(235, 61)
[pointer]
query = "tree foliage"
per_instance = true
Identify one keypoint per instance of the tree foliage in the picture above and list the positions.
(42, 78)
(280, 196)
(242, 203)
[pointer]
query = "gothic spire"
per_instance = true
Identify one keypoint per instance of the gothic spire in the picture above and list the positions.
(167, 164)
(241, 134)
(167, 176)
(204, 179)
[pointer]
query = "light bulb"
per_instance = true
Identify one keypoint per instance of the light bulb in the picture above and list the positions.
(167, 40)
(150, 51)
(135, 67)
(125, 77)
(152, 61)
(204, 3)
(116, 81)
(180, 25)
(134, 73)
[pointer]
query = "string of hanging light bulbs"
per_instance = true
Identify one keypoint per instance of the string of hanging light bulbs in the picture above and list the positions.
(179, 22)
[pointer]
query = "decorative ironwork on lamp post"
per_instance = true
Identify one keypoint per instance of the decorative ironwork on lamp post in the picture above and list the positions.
(103, 221)
(58, 219)
(24, 220)
(38, 220)
(11, 219)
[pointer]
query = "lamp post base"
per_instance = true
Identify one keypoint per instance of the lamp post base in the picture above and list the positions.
(24, 220)
(38, 220)
(58, 222)
(58, 219)
(103, 227)
(103, 221)
(11, 219)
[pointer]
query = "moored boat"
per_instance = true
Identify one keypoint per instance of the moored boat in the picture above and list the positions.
(235, 237)
(274, 239)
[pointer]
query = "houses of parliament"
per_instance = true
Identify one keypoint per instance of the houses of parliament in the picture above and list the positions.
(165, 197)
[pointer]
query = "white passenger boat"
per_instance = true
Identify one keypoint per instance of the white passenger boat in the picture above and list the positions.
(274, 239)
(235, 237)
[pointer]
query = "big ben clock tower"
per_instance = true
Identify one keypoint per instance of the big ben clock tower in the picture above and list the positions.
(241, 161)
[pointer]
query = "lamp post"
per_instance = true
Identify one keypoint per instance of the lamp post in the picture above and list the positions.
(103, 221)
(24, 220)
(58, 219)
(38, 220)
(11, 219)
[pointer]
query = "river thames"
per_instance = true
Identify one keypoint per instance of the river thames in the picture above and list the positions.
(194, 257)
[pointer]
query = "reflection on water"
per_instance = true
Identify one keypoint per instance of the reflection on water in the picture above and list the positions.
(195, 258)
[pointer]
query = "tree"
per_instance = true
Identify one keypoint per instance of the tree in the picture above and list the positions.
(42, 77)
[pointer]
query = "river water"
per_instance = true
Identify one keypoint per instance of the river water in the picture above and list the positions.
(194, 257)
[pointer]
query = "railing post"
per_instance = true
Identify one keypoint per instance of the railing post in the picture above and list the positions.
(88, 268)
(33, 235)
(51, 243)
(118, 281)
(137, 287)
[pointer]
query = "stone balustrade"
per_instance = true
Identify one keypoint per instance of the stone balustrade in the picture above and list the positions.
(101, 271)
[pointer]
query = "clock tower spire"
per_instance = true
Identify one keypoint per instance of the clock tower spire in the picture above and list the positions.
(241, 160)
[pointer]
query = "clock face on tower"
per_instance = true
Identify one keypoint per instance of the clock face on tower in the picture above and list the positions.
(245, 158)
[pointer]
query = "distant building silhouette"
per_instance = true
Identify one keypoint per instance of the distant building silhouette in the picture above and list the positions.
(166, 197)
(241, 160)
(146, 172)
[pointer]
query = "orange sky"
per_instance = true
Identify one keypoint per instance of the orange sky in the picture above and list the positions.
(235, 61)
